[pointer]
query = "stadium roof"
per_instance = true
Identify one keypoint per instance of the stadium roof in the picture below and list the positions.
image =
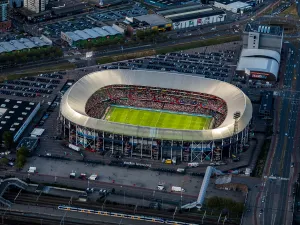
(73, 103)
(183, 9)
(23, 43)
(261, 60)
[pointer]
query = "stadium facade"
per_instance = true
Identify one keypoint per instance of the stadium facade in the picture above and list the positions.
(97, 134)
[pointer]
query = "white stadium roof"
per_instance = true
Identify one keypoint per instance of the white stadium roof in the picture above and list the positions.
(75, 99)
(259, 60)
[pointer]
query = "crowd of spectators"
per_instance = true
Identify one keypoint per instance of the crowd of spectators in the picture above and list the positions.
(156, 98)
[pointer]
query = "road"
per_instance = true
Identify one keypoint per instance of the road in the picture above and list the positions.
(272, 202)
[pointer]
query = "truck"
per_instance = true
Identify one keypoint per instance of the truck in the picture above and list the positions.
(193, 164)
(93, 177)
(161, 187)
(32, 169)
(177, 189)
(74, 147)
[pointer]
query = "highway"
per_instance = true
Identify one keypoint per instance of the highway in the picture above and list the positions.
(272, 202)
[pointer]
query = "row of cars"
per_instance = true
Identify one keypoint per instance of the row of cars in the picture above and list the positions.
(212, 65)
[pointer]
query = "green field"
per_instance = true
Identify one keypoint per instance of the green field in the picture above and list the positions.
(158, 119)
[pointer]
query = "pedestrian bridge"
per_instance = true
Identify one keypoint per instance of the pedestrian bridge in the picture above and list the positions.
(7, 183)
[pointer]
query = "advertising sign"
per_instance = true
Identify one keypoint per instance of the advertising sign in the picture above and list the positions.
(259, 75)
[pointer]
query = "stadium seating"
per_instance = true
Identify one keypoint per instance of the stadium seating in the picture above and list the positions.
(156, 98)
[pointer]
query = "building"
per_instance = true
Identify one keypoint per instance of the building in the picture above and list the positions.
(30, 143)
(96, 133)
(3, 10)
(233, 6)
(24, 44)
(266, 105)
(66, 7)
(144, 22)
(192, 15)
(5, 23)
(263, 37)
(153, 21)
(15, 116)
(36, 6)
(79, 37)
(16, 3)
(260, 57)
(168, 3)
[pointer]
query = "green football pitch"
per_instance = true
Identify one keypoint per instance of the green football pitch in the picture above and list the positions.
(158, 119)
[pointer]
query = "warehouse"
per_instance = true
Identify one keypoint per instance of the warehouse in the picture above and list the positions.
(79, 37)
(24, 44)
(192, 16)
(16, 115)
(233, 6)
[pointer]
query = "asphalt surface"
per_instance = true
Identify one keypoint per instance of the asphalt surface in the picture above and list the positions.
(272, 201)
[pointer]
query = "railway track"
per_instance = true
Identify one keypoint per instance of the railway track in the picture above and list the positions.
(53, 202)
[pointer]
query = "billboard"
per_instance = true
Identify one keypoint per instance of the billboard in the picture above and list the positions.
(259, 75)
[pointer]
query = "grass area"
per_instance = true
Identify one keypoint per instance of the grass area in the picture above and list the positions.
(158, 118)
(116, 58)
(164, 50)
(262, 158)
(36, 71)
(197, 44)
(291, 11)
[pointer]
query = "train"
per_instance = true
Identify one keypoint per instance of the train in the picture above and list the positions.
(122, 215)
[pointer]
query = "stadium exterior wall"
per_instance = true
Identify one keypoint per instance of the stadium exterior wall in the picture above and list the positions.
(96, 134)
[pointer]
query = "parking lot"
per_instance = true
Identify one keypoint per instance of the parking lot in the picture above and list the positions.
(211, 64)
(98, 18)
(32, 87)
(115, 15)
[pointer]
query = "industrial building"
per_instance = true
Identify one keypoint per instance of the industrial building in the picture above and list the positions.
(192, 16)
(78, 37)
(167, 3)
(15, 116)
(233, 5)
(24, 44)
(260, 57)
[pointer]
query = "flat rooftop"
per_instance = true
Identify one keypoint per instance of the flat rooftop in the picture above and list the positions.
(264, 29)
(29, 142)
(183, 9)
(153, 19)
(197, 15)
(13, 114)
(24, 43)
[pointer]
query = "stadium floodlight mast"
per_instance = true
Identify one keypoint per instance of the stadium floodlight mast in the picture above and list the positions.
(88, 57)
(236, 117)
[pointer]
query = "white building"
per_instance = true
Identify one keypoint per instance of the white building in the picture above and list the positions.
(192, 16)
(36, 6)
(233, 6)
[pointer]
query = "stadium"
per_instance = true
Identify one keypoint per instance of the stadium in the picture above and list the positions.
(157, 115)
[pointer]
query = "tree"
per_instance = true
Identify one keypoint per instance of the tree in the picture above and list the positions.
(4, 161)
(8, 139)
(23, 151)
(20, 161)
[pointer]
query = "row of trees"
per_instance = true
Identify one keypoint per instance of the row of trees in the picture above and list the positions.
(225, 204)
(30, 55)
(22, 153)
(95, 44)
